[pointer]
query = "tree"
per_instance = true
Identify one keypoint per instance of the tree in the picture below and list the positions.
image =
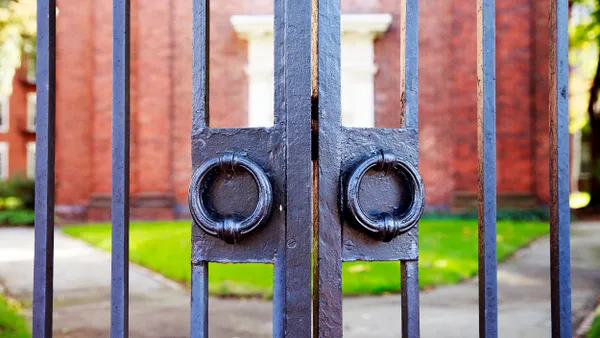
(17, 38)
(585, 31)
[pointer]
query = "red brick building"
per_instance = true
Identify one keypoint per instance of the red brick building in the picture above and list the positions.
(161, 85)
(17, 127)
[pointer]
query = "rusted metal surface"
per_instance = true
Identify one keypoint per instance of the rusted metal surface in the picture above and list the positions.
(486, 145)
(560, 217)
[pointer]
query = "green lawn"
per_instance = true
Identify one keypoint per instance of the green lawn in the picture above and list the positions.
(448, 254)
(594, 331)
(12, 324)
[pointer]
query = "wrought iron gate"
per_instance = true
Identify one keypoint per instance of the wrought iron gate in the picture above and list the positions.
(306, 172)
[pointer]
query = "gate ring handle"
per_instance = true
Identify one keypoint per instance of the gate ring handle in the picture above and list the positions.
(386, 227)
(230, 229)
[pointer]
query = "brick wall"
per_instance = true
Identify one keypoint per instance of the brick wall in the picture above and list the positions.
(161, 98)
(17, 136)
(75, 110)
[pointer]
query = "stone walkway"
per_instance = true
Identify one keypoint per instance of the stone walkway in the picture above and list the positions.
(159, 308)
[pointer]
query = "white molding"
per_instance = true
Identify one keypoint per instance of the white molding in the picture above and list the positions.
(31, 159)
(4, 158)
(31, 111)
(5, 113)
(358, 66)
(253, 26)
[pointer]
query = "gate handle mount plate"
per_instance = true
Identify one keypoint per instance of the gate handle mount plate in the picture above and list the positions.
(386, 227)
(230, 229)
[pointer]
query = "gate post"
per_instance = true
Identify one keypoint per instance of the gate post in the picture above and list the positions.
(267, 218)
(350, 228)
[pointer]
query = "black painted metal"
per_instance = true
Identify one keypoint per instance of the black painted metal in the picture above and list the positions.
(345, 158)
(387, 226)
(229, 229)
(255, 198)
(560, 247)
(44, 170)
(200, 110)
(409, 60)
(293, 111)
(120, 171)
(486, 141)
(278, 158)
(328, 234)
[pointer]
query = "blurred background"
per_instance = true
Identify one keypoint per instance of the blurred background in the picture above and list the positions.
(241, 95)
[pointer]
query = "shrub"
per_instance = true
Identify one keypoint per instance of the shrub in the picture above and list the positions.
(17, 193)
(21, 188)
(17, 217)
(17, 200)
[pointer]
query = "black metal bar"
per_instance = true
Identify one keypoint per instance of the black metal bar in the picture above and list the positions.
(293, 106)
(120, 171)
(279, 269)
(409, 61)
(328, 284)
(44, 177)
(486, 143)
(199, 310)
(200, 119)
(200, 74)
(409, 66)
(298, 235)
(410, 299)
(560, 248)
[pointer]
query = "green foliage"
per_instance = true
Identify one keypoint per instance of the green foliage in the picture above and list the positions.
(17, 38)
(17, 193)
(17, 217)
(12, 324)
(594, 331)
(17, 199)
(448, 254)
(584, 26)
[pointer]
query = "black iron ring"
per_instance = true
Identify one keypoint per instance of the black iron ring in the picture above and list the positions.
(229, 229)
(386, 227)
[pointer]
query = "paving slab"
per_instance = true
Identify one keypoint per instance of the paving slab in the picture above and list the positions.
(160, 308)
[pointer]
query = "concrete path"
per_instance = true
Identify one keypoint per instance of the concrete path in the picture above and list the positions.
(159, 308)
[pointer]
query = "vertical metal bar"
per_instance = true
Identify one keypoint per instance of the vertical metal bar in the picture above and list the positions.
(200, 120)
(328, 283)
(44, 177)
(200, 72)
(120, 171)
(199, 311)
(279, 273)
(409, 77)
(560, 250)
(409, 61)
(486, 143)
(292, 315)
(298, 237)
(410, 299)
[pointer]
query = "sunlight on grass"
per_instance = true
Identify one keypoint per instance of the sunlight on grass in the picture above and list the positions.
(12, 324)
(448, 254)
